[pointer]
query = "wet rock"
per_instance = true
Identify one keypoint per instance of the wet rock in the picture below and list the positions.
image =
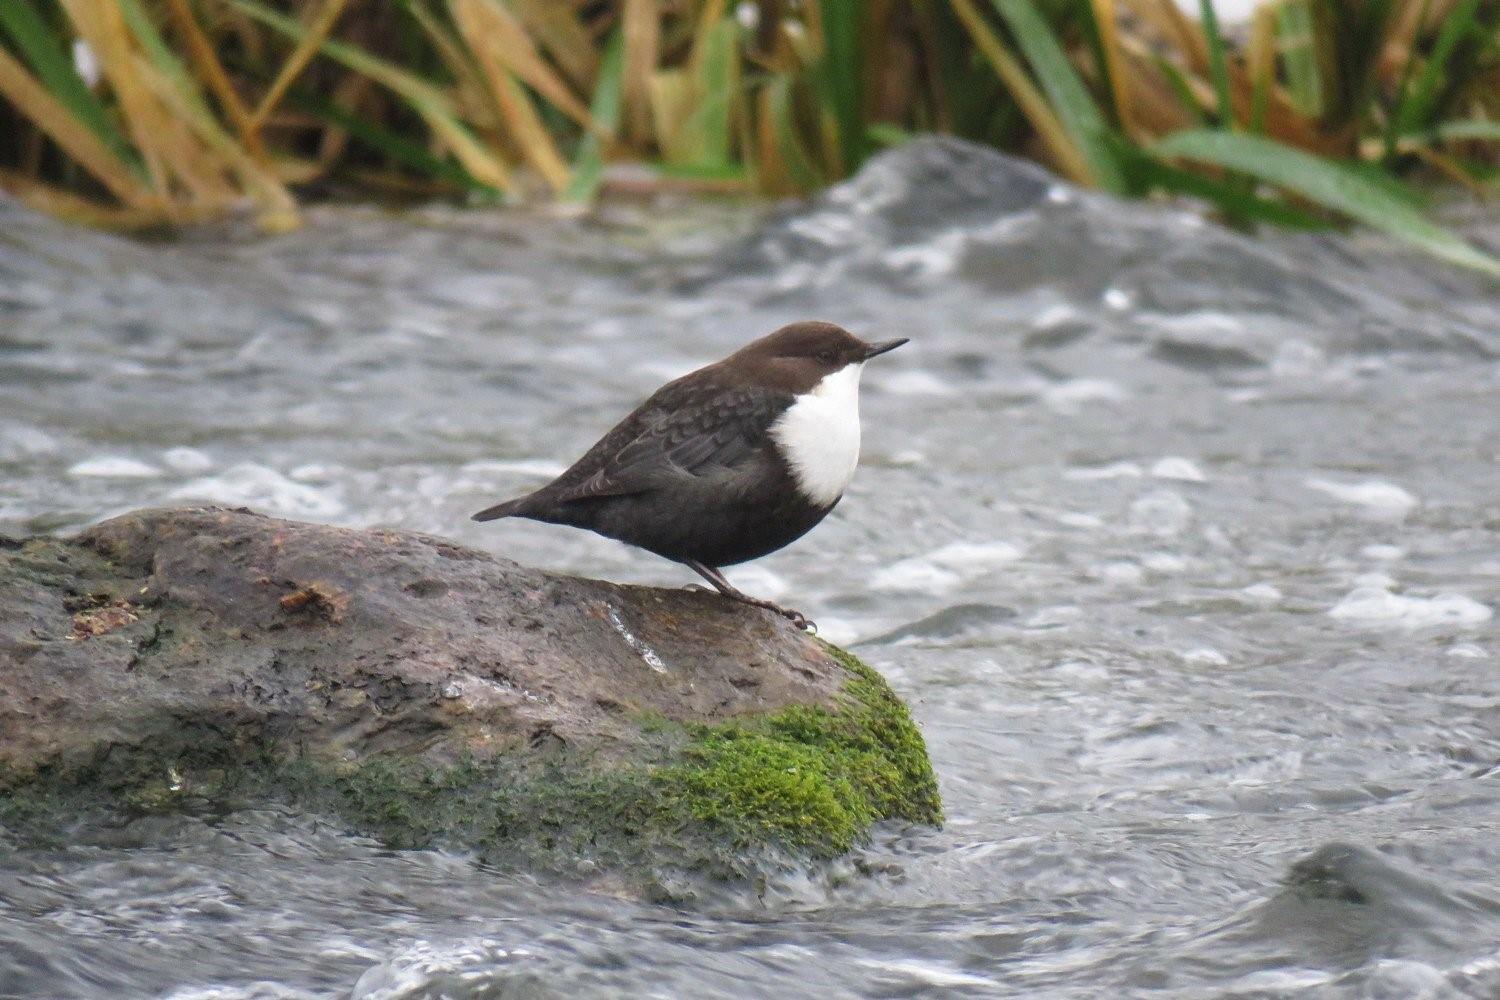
(428, 692)
(1348, 903)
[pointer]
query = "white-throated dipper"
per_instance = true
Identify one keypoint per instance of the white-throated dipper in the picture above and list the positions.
(726, 464)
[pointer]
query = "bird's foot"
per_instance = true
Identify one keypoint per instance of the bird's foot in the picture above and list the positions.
(696, 588)
(797, 618)
(723, 586)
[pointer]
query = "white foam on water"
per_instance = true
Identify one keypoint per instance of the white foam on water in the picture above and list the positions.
(1081, 671)
(1266, 592)
(1374, 495)
(831, 229)
(1205, 656)
(1385, 553)
(1179, 468)
(934, 258)
(315, 472)
(918, 975)
(757, 581)
(449, 968)
(839, 631)
(972, 556)
(1273, 980)
(914, 383)
(259, 990)
(1375, 605)
(264, 489)
(1394, 977)
(518, 466)
(1298, 359)
(903, 459)
(1161, 512)
(1067, 397)
(22, 442)
(914, 576)
(1273, 768)
(1467, 651)
(1114, 470)
(1055, 315)
(1117, 299)
(189, 460)
(1078, 519)
(1118, 572)
(114, 467)
(1200, 323)
(944, 569)
(1055, 616)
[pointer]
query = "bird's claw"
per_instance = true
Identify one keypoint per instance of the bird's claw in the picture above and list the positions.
(798, 620)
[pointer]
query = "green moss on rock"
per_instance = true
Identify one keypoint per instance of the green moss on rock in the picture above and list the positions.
(811, 778)
(804, 782)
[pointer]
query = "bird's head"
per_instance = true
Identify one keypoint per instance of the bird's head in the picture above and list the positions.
(800, 356)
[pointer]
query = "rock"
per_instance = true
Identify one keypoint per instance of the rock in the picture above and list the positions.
(426, 692)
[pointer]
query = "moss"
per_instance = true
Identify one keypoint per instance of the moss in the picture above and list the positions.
(806, 782)
(810, 778)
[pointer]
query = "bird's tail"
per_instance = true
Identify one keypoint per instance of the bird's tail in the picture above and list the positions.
(506, 509)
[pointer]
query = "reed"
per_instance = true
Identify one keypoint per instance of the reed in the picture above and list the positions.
(151, 112)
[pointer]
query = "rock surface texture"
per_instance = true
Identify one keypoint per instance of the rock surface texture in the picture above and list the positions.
(427, 692)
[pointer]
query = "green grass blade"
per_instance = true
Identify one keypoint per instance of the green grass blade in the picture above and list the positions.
(711, 119)
(48, 56)
(1294, 31)
(144, 30)
(588, 164)
(888, 135)
(1237, 204)
(1327, 184)
(383, 140)
(1473, 128)
(1180, 89)
(1065, 90)
(729, 173)
(1218, 62)
(410, 86)
(425, 98)
(799, 166)
(1416, 109)
(841, 75)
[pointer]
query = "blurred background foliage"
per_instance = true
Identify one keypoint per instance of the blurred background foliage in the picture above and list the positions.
(135, 113)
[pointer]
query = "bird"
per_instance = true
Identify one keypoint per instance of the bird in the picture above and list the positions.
(727, 463)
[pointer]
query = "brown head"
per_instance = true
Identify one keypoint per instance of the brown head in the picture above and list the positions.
(799, 356)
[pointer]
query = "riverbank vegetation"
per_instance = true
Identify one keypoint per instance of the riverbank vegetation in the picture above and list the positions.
(136, 113)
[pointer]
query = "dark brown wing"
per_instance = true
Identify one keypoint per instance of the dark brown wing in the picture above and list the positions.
(692, 429)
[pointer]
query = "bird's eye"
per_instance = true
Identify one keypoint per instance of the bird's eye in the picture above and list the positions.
(827, 357)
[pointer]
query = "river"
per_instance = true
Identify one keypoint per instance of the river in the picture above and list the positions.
(1184, 546)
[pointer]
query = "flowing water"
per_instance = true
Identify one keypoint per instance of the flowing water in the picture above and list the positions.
(1183, 546)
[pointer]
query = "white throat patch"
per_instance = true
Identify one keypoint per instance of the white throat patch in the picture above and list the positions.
(819, 436)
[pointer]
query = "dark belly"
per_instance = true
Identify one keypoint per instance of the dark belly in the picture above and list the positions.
(717, 523)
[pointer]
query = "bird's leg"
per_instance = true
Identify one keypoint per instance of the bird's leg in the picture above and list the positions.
(729, 590)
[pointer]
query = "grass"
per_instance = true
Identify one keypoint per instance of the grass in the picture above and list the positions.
(202, 108)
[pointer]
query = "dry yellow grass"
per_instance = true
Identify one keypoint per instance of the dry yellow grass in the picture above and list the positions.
(212, 106)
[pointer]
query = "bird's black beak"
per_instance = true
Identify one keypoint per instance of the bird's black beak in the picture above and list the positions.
(884, 346)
